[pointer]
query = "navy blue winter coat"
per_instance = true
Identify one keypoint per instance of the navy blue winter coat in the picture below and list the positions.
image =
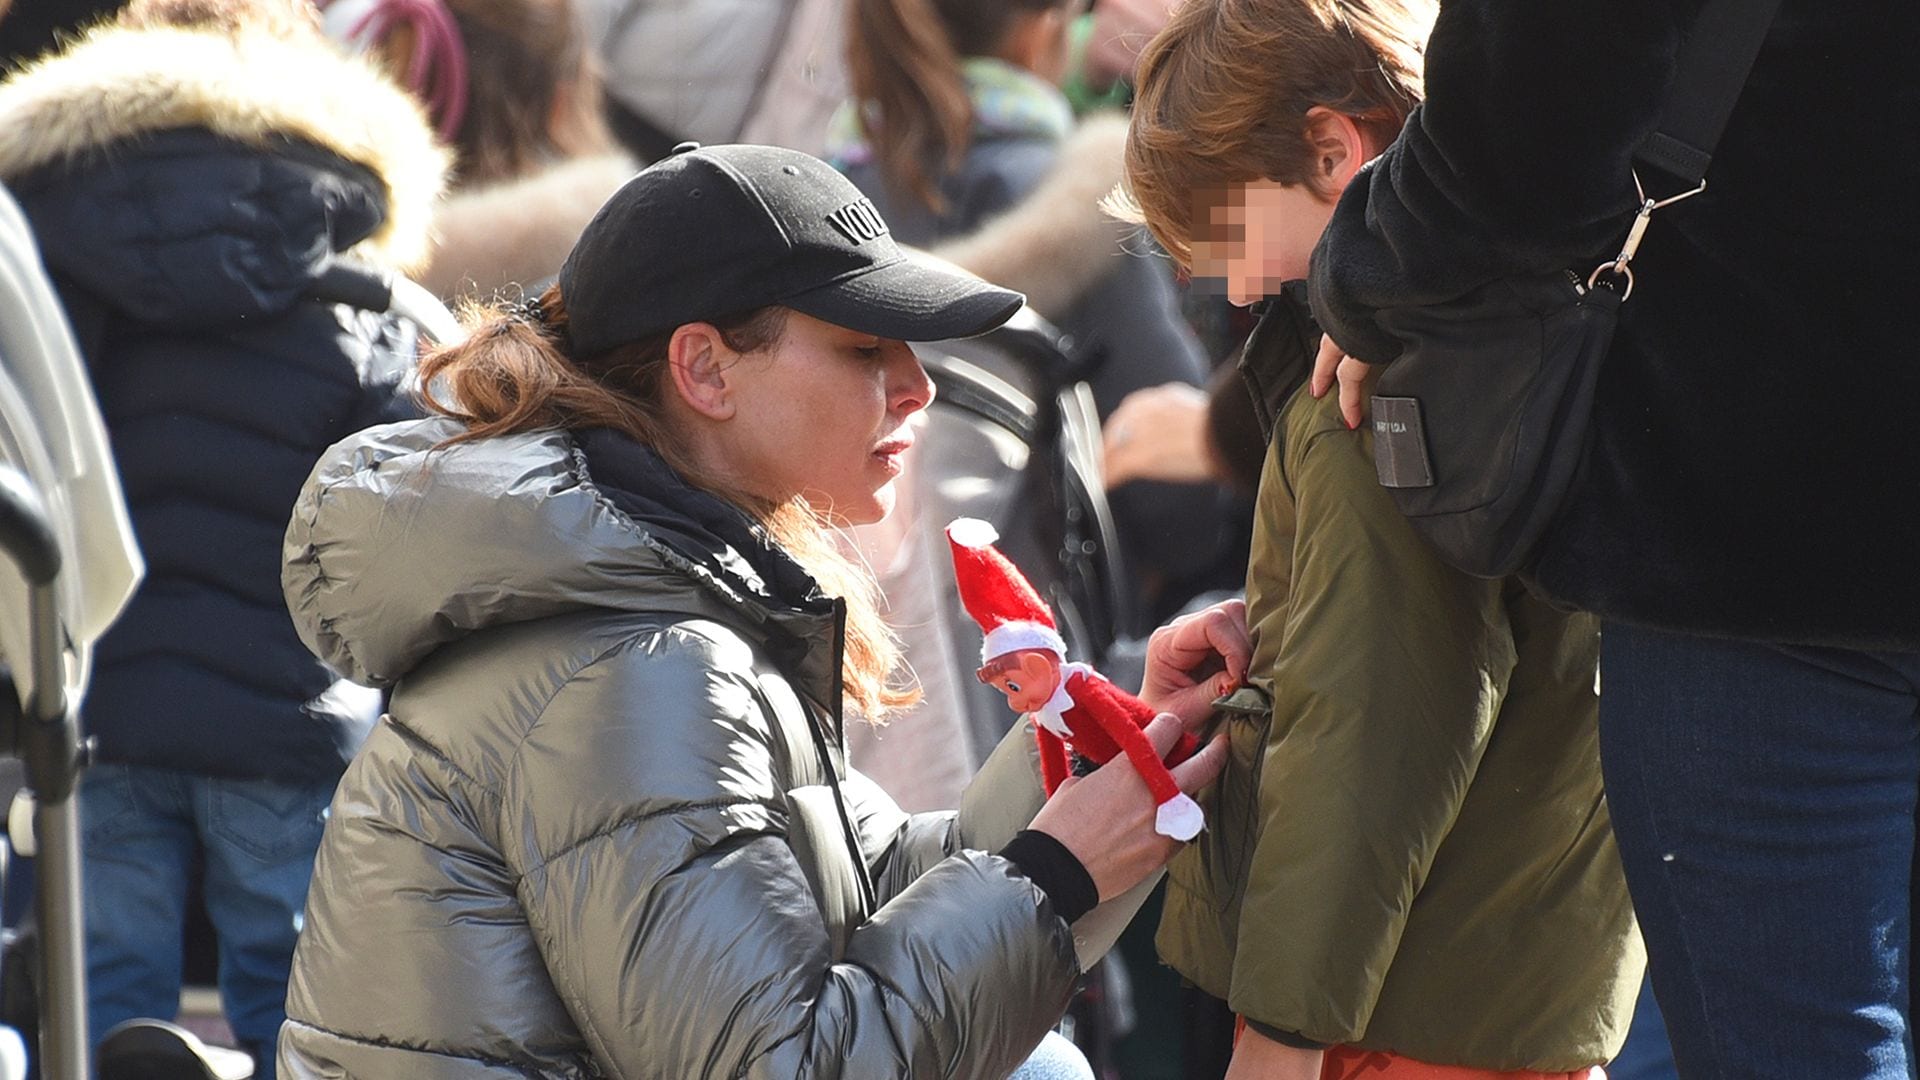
(192, 266)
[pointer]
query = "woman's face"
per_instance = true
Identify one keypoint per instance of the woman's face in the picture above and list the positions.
(824, 412)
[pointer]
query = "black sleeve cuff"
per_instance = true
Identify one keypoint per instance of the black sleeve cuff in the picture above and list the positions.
(1286, 1038)
(1047, 863)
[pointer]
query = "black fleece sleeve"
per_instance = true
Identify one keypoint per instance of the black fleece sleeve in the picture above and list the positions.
(1047, 863)
(1518, 162)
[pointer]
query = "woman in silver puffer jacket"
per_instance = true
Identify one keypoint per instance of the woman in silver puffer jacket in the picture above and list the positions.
(606, 828)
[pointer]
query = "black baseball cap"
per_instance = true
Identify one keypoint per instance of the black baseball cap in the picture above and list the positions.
(720, 230)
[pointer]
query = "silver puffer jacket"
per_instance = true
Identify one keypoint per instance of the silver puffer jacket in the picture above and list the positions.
(606, 829)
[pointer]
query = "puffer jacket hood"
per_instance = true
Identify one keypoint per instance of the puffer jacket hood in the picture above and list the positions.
(373, 602)
(519, 231)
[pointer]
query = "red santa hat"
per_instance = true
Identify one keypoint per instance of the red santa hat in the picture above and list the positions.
(998, 596)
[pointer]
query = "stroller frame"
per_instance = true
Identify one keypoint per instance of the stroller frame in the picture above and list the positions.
(45, 735)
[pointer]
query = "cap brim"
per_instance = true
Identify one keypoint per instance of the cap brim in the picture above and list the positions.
(913, 299)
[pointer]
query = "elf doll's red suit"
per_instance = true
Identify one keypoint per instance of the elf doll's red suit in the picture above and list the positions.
(1071, 704)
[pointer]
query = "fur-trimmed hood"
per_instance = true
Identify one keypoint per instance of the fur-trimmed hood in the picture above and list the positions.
(119, 84)
(519, 231)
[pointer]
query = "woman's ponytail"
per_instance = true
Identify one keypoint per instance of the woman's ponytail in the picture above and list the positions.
(512, 373)
(906, 78)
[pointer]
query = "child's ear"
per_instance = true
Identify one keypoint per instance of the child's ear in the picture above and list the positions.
(1339, 149)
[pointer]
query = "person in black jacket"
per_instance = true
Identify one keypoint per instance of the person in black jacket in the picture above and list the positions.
(1745, 521)
(199, 175)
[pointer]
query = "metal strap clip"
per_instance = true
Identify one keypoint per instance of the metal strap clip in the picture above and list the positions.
(1619, 267)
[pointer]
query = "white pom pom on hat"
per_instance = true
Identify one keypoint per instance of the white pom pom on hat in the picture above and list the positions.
(998, 597)
(972, 533)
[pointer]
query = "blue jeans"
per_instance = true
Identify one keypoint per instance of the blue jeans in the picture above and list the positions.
(1647, 1054)
(1056, 1058)
(1764, 801)
(141, 829)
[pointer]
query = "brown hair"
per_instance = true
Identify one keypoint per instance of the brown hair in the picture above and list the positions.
(1222, 94)
(513, 374)
(903, 62)
(533, 87)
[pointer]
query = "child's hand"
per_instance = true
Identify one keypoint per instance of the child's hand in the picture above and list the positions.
(1356, 380)
(1196, 658)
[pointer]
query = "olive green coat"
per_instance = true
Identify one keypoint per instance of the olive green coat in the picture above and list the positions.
(1411, 851)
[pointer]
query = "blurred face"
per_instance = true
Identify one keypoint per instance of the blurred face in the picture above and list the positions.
(825, 414)
(1251, 238)
(1040, 42)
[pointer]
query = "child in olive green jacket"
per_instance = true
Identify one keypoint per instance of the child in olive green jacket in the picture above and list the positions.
(1409, 862)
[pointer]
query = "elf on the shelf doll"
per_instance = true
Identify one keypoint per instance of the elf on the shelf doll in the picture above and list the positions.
(1072, 705)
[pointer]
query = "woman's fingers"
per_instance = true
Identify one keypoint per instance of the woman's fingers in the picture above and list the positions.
(1325, 364)
(1191, 640)
(1193, 706)
(1356, 385)
(1332, 364)
(1196, 658)
(1225, 627)
(1164, 732)
(1203, 767)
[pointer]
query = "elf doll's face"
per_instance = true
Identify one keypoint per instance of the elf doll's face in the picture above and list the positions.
(1027, 676)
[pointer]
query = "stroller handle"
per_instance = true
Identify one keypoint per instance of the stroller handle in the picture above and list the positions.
(25, 530)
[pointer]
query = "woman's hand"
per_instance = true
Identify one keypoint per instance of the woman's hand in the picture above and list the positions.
(1196, 658)
(1158, 433)
(1356, 379)
(1256, 1057)
(1106, 819)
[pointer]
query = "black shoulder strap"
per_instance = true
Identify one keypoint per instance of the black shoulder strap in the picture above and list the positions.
(1713, 66)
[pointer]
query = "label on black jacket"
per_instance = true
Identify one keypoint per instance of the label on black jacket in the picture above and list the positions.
(1400, 444)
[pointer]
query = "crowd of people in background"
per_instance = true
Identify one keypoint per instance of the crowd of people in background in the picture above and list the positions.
(564, 647)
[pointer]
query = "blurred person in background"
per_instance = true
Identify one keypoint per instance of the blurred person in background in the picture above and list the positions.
(774, 71)
(513, 87)
(702, 70)
(198, 173)
(956, 117)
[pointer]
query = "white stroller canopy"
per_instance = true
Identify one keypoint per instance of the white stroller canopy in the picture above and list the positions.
(51, 431)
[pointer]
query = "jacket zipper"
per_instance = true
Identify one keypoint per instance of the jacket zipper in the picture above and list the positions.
(869, 897)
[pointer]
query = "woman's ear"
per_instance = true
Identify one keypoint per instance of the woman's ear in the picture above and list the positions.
(1339, 149)
(699, 363)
